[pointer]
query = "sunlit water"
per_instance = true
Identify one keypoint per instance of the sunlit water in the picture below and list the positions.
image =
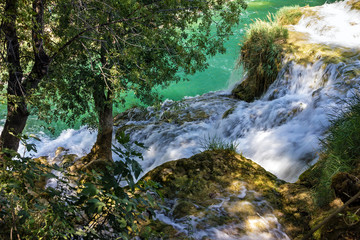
(280, 131)
(252, 219)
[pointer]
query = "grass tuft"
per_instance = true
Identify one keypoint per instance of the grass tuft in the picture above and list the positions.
(215, 143)
(341, 150)
(262, 53)
(289, 15)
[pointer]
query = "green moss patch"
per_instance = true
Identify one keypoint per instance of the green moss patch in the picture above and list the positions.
(196, 184)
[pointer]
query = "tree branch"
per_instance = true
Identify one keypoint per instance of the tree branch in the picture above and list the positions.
(309, 234)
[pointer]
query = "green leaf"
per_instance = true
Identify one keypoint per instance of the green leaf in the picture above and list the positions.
(95, 205)
(89, 190)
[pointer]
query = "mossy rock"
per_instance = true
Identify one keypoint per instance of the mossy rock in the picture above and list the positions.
(228, 112)
(184, 208)
(160, 230)
(200, 181)
(245, 91)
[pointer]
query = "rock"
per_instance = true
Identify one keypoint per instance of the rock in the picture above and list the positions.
(219, 189)
(345, 186)
(246, 90)
(60, 151)
(228, 112)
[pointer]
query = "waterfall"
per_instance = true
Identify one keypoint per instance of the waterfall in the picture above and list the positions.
(280, 131)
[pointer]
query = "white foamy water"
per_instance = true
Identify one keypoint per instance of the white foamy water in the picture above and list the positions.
(280, 131)
(333, 24)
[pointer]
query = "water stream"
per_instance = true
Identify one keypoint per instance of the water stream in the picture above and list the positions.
(280, 130)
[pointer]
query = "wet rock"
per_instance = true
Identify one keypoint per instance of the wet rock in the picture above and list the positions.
(246, 90)
(183, 208)
(223, 190)
(228, 112)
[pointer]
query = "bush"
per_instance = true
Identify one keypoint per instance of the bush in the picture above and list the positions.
(262, 53)
(341, 150)
(90, 205)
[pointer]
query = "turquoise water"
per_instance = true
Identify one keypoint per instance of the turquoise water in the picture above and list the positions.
(219, 75)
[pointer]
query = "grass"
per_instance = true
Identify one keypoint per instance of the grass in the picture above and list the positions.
(215, 143)
(341, 150)
(262, 52)
(355, 4)
(290, 15)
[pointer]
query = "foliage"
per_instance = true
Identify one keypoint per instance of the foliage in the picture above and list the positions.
(93, 206)
(341, 149)
(262, 52)
(134, 46)
(289, 15)
(214, 143)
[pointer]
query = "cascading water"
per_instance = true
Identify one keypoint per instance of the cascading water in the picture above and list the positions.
(280, 131)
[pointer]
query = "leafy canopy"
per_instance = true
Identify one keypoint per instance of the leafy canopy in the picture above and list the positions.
(146, 43)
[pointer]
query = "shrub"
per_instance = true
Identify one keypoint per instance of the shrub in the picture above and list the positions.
(341, 150)
(90, 205)
(262, 53)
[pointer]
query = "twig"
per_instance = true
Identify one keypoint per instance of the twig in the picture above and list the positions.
(309, 234)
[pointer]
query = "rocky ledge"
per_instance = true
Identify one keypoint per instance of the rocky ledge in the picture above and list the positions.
(221, 194)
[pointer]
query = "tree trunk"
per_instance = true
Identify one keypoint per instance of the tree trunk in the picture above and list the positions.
(103, 105)
(101, 150)
(18, 87)
(17, 111)
(15, 123)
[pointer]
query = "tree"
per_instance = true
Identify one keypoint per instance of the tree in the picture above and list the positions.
(112, 47)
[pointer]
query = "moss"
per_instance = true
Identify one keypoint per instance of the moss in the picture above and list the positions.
(298, 49)
(160, 230)
(289, 15)
(355, 4)
(228, 112)
(184, 208)
(200, 181)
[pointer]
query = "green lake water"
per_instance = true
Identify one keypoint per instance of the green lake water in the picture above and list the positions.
(219, 75)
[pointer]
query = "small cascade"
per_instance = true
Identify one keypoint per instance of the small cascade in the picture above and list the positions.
(245, 215)
(280, 131)
(336, 24)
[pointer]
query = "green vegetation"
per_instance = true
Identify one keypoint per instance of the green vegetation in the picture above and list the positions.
(341, 152)
(261, 56)
(82, 58)
(355, 4)
(289, 15)
(215, 143)
(88, 204)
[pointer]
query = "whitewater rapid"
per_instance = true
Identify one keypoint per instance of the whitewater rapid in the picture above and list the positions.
(280, 131)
